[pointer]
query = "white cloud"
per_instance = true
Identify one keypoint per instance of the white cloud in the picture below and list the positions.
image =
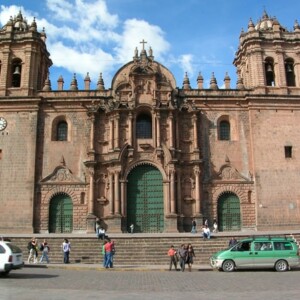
(134, 32)
(186, 63)
(83, 15)
(82, 62)
(61, 9)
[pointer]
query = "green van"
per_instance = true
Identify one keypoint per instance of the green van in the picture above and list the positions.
(280, 253)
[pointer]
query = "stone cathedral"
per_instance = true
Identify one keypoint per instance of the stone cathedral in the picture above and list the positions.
(144, 151)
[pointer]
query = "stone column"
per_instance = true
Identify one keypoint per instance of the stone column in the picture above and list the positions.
(297, 72)
(28, 65)
(197, 190)
(111, 135)
(92, 132)
(170, 216)
(90, 219)
(178, 173)
(171, 130)
(117, 193)
(111, 193)
(279, 69)
(130, 129)
(172, 191)
(116, 132)
(91, 192)
(195, 131)
(4, 75)
(123, 197)
(158, 130)
(179, 201)
(90, 164)
(257, 68)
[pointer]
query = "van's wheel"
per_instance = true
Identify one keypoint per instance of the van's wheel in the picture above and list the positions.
(228, 265)
(281, 266)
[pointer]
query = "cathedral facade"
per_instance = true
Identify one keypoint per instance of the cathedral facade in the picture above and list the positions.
(144, 151)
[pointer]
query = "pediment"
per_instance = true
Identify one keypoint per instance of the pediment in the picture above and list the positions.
(61, 174)
(229, 173)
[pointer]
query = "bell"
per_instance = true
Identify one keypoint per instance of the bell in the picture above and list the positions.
(289, 68)
(269, 69)
(17, 71)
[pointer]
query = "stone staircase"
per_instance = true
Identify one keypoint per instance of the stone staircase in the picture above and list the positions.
(131, 250)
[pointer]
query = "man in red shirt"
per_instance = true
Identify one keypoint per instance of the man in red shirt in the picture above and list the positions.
(173, 258)
(108, 247)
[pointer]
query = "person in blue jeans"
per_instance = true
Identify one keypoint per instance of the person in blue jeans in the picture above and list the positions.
(45, 250)
(66, 248)
(182, 252)
(108, 247)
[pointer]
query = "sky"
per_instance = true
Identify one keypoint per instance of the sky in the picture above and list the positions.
(186, 36)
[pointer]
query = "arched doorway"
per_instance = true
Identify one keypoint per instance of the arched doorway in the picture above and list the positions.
(61, 214)
(229, 212)
(145, 205)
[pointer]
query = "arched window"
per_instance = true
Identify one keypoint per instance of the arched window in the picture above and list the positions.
(269, 71)
(16, 72)
(224, 131)
(144, 127)
(62, 131)
(289, 72)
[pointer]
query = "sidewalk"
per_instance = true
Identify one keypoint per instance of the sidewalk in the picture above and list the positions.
(98, 267)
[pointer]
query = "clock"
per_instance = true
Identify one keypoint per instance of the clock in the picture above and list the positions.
(3, 123)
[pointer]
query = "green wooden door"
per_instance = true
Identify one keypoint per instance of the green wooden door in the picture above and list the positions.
(229, 212)
(61, 214)
(145, 207)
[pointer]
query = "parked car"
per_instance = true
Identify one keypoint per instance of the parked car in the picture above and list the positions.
(11, 257)
(280, 253)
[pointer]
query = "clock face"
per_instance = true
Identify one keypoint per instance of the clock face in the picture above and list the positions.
(3, 123)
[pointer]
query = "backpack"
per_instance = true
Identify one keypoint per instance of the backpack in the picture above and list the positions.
(41, 247)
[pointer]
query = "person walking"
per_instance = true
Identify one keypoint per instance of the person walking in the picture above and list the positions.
(190, 256)
(32, 248)
(173, 258)
(182, 251)
(103, 252)
(108, 254)
(45, 251)
(66, 248)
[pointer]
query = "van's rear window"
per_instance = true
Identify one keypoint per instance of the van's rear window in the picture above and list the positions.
(283, 246)
(14, 248)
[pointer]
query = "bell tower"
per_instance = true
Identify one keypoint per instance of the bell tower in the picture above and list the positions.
(268, 56)
(24, 59)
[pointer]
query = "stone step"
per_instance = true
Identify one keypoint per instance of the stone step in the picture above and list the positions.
(130, 250)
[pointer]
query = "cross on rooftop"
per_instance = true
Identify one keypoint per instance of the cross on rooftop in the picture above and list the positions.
(143, 42)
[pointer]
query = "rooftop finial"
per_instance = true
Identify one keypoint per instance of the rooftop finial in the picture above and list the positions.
(100, 83)
(186, 82)
(143, 42)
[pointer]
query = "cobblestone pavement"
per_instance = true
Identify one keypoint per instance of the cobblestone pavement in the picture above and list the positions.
(57, 283)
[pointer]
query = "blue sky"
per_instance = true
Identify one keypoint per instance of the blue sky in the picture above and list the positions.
(186, 35)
